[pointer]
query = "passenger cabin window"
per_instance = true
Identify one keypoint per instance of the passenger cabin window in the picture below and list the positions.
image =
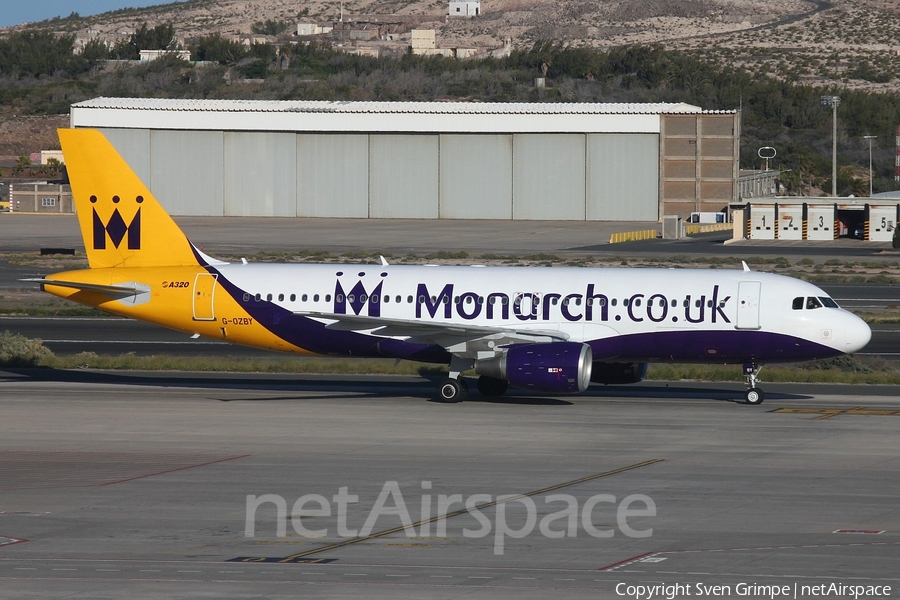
(813, 302)
(798, 303)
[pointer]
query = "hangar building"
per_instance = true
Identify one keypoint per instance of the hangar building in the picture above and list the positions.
(454, 160)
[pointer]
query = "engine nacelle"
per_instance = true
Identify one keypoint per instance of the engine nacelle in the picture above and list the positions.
(563, 367)
(618, 373)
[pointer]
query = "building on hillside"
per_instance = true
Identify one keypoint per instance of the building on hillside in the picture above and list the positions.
(356, 31)
(465, 8)
(304, 29)
(423, 42)
(411, 160)
(148, 55)
(46, 155)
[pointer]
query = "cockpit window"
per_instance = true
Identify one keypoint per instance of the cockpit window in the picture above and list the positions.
(798, 303)
(813, 302)
(828, 302)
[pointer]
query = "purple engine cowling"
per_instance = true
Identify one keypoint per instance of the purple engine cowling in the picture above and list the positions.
(562, 367)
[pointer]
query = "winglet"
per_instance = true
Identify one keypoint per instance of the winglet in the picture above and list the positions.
(384, 262)
(744, 263)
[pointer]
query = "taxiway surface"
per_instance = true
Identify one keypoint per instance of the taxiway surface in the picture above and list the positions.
(136, 485)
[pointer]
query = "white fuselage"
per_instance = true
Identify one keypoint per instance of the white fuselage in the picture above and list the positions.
(623, 313)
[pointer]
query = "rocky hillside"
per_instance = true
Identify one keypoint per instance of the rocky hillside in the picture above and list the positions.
(824, 42)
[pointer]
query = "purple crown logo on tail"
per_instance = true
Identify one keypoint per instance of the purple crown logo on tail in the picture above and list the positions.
(116, 227)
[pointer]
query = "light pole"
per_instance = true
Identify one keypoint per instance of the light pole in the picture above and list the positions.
(833, 102)
(870, 138)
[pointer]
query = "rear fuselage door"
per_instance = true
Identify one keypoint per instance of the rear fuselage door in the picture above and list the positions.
(748, 305)
(204, 297)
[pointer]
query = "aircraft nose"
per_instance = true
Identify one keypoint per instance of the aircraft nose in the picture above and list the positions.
(857, 334)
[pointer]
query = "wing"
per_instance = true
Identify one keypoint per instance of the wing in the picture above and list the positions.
(471, 341)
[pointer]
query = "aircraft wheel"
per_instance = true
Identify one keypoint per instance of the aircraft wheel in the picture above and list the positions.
(451, 390)
(754, 396)
(491, 386)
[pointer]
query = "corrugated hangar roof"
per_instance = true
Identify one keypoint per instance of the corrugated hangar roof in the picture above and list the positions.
(565, 108)
(399, 117)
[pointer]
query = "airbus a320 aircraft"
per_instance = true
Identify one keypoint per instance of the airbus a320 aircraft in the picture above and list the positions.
(552, 330)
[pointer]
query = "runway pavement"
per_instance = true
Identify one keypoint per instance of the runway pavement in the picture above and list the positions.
(236, 235)
(136, 485)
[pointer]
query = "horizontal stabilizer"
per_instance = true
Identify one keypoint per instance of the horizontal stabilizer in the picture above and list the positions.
(116, 291)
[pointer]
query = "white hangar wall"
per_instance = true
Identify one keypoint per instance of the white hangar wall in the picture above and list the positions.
(391, 160)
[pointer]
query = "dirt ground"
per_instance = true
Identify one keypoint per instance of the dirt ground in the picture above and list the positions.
(26, 134)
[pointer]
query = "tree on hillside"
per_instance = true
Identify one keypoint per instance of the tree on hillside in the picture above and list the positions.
(270, 27)
(258, 60)
(161, 37)
(215, 48)
(95, 50)
(39, 53)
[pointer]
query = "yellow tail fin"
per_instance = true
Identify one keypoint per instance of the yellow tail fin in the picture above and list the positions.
(121, 222)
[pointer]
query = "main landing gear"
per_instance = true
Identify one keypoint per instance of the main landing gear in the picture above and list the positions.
(454, 388)
(753, 395)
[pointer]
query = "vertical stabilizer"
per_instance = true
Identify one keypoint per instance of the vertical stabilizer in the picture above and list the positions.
(121, 222)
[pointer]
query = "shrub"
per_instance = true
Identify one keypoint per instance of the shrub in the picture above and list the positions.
(20, 351)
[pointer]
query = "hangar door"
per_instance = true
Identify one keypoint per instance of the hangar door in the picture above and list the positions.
(622, 177)
(476, 176)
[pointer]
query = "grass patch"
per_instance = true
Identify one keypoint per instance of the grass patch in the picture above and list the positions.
(218, 364)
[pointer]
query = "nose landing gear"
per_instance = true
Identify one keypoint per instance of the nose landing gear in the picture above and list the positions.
(753, 395)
